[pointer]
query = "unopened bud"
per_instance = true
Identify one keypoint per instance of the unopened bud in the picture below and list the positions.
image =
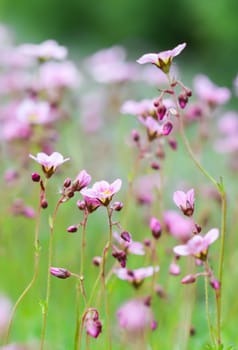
(117, 206)
(81, 205)
(97, 260)
(60, 272)
(183, 100)
(167, 128)
(174, 269)
(155, 166)
(147, 242)
(35, 177)
(188, 279)
(67, 182)
(215, 284)
(126, 236)
(44, 204)
(135, 135)
(155, 227)
(72, 228)
(173, 144)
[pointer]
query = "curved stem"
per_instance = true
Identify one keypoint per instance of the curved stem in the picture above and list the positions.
(80, 286)
(34, 277)
(50, 252)
(220, 187)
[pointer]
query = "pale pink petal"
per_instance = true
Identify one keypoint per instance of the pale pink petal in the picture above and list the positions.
(181, 250)
(148, 58)
(211, 236)
(179, 198)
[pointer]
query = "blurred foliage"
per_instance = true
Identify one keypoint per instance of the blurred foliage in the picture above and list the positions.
(209, 28)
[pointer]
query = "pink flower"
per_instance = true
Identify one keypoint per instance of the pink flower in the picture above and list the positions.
(47, 50)
(34, 112)
(163, 59)
(137, 276)
(138, 108)
(92, 323)
(102, 191)
(59, 75)
(49, 163)
(109, 66)
(154, 128)
(82, 180)
(185, 201)
(178, 226)
(207, 91)
(135, 317)
(198, 245)
(129, 245)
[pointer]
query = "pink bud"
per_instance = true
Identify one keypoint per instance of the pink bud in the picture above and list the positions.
(35, 177)
(188, 279)
(117, 206)
(135, 135)
(167, 128)
(72, 228)
(126, 236)
(155, 227)
(60, 272)
(174, 269)
(215, 284)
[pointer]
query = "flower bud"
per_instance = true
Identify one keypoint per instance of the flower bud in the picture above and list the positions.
(67, 182)
(35, 177)
(155, 227)
(135, 135)
(215, 284)
(97, 260)
(117, 206)
(44, 203)
(174, 269)
(126, 236)
(81, 205)
(155, 166)
(60, 272)
(188, 279)
(72, 228)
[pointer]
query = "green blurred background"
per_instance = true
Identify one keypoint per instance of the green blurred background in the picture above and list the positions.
(209, 27)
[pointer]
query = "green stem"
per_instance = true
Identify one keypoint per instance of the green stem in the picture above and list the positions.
(50, 252)
(80, 286)
(34, 277)
(206, 285)
(220, 187)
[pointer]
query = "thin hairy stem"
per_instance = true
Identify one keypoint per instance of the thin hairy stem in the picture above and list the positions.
(45, 306)
(34, 277)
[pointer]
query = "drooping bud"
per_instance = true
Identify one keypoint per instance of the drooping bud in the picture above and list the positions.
(92, 323)
(183, 100)
(72, 228)
(155, 165)
(174, 269)
(126, 236)
(189, 279)
(35, 177)
(167, 128)
(135, 135)
(97, 260)
(215, 284)
(155, 227)
(117, 206)
(60, 272)
(67, 182)
(44, 203)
